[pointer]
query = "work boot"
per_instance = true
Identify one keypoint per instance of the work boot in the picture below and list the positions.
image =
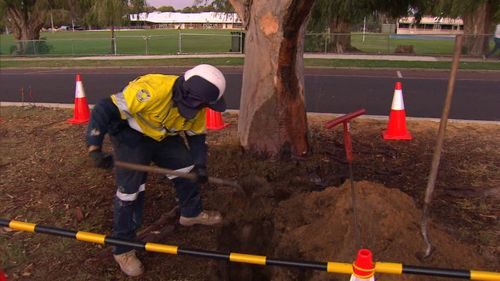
(205, 218)
(129, 263)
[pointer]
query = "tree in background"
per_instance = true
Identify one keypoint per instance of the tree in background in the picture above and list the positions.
(137, 6)
(337, 16)
(165, 9)
(272, 118)
(479, 16)
(25, 19)
(110, 13)
(221, 6)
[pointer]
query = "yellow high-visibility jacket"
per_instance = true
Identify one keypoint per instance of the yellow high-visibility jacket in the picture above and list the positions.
(147, 105)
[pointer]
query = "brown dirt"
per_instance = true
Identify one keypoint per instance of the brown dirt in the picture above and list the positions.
(300, 210)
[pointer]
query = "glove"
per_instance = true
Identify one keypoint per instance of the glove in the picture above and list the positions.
(201, 174)
(101, 160)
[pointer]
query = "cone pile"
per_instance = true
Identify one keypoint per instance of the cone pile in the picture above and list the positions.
(81, 112)
(214, 120)
(363, 268)
(396, 129)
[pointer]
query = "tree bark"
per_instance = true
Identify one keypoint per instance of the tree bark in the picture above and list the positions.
(272, 120)
(476, 26)
(340, 31)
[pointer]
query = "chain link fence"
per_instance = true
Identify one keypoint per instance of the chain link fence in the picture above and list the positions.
(233, 42)
(387, 44)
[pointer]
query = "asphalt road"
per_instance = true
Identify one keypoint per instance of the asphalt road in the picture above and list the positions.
(476, 97)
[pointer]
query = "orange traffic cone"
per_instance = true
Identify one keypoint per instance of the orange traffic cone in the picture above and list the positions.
(2, 275)
(81, 112)
(396, 129)
(363, 268)
(214, 120)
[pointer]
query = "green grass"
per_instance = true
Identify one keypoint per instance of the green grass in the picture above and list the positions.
(334, 63)
(378, 43)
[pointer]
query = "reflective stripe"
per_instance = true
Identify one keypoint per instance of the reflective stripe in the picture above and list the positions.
(132, 122)
(160, 129)
(122, 104)
(397, 100)
(192, 133)
(182, 170)
(130, 196)
(134, 125)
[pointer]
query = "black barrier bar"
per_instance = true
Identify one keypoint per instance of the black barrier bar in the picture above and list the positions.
(442, 272)
(331, 267)
(55, 231)
(302, 264)
(203, 254)
(120, 242)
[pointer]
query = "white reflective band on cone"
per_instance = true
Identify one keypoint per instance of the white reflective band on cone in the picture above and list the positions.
(355, 278)
(79, 92)
(397, 100)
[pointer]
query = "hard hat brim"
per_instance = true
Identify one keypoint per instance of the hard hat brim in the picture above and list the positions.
(190, 112)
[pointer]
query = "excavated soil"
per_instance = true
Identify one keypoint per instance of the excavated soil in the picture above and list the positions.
(293, 210)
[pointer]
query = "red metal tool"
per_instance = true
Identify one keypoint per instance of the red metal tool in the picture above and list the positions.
(348, 152)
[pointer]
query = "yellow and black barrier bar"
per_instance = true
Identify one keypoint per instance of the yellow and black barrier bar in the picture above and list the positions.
(332, 267)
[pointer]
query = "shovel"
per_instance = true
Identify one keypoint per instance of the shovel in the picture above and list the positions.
(189, 176)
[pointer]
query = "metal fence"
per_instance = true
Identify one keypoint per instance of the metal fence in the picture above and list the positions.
(233, 42)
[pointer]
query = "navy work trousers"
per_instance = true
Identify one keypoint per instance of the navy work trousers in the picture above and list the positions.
(133, 147)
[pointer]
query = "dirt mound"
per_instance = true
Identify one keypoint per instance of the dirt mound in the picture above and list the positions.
(319, 226)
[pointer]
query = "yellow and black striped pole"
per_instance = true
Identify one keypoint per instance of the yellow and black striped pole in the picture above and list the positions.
(332, 267)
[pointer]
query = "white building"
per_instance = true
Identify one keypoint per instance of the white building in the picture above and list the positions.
(430, 25)
(187, 20)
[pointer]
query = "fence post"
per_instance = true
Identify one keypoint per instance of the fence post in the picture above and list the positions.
(326, 42)
(388, 43)
(180, 43)
(241, 41)
(146, 38)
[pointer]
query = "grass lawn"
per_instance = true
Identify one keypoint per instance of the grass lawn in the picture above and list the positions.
(231, 61)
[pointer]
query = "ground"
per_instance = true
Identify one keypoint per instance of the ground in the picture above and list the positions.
(296, 210)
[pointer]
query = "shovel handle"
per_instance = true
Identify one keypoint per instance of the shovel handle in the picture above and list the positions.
(159, 170)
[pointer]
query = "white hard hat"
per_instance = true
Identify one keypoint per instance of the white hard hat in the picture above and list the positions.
(209, 73)
(203, 85)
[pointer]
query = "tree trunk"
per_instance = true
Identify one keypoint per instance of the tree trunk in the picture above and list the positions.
(25, 27)
(272, 120)
(340, 31)
(476, 25)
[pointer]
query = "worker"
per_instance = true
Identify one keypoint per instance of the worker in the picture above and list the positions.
(497, 41)
(145, 121)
